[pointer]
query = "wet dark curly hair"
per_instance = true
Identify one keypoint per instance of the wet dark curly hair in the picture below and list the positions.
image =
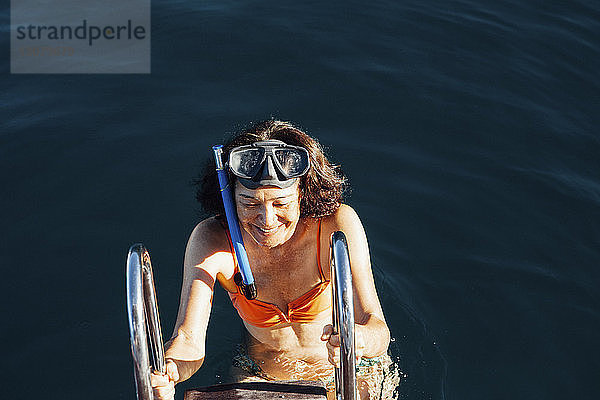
(321, 189)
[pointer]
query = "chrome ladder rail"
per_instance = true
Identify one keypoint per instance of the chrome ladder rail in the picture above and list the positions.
(144, 321)
(343, 317)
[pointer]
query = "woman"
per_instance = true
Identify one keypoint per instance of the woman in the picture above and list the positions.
(288, 199)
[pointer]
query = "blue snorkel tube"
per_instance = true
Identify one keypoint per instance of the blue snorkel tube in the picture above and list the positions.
(246, 283)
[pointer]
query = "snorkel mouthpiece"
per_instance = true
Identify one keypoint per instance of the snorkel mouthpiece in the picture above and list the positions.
(244, 277)
(249, 291)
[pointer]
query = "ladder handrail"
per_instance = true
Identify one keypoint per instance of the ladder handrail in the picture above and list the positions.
(343, 316)
(144, 321)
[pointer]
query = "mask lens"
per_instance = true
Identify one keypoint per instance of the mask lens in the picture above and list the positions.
(247, 162)
(292, 162)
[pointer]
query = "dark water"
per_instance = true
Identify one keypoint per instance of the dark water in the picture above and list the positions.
(469, 130)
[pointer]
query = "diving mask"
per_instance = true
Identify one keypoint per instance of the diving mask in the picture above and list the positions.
(268, 163)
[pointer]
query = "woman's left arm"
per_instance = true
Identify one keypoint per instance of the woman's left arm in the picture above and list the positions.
(372, 335)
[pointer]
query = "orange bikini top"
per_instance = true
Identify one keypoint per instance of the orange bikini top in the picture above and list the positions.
(303, 309)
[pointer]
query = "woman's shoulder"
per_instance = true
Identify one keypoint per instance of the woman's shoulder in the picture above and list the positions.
(209, 229)
(343, 217)
(207, 239)
(212, 229)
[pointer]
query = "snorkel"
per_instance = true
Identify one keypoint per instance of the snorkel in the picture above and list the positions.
(247, 286)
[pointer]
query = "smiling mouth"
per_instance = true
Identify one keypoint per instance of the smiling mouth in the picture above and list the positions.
(267, 231)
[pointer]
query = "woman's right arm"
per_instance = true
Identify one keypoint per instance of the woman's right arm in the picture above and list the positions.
(206, 257)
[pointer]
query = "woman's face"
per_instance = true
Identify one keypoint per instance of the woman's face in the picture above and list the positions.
(269, 214)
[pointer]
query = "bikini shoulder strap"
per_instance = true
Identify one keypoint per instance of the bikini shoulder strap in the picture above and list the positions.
(321, 275)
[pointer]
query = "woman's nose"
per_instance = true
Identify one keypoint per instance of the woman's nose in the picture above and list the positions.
(268, 216)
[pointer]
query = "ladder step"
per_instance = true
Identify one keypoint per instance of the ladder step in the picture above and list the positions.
(297, 390)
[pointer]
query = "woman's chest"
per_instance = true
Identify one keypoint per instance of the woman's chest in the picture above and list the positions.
(284, 279)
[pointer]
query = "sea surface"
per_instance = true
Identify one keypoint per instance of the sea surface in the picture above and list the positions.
(469, 131)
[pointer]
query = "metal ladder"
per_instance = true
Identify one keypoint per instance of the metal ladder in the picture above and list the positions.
(146, 336)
